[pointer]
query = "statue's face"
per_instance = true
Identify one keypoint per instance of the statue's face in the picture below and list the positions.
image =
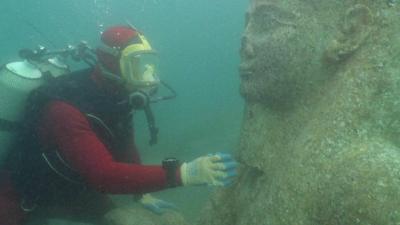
(280, 51)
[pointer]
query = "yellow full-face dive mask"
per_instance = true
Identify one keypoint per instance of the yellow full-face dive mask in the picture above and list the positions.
(139, 66)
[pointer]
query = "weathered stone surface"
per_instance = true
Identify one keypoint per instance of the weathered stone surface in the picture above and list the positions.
(320, 141)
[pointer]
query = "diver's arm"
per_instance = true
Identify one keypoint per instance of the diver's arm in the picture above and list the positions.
(66, 128)
(132, 152)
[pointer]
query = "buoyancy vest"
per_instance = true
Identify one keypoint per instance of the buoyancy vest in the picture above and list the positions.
(33, 167)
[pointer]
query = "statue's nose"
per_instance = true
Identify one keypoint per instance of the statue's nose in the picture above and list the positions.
(247, 49)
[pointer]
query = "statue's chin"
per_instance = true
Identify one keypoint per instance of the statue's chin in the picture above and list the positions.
(265, 94)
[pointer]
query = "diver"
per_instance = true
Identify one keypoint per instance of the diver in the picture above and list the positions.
(78, 144)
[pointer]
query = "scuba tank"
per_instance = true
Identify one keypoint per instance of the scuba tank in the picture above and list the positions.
(18, 79)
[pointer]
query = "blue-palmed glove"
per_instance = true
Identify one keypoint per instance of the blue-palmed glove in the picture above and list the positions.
(214, 169)
(155, 205)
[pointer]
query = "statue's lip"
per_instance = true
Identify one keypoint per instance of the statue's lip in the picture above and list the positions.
(245, 70)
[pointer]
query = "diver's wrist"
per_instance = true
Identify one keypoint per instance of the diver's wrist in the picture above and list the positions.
(171, 167)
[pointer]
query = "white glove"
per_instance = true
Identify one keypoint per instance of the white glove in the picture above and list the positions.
(215, 170)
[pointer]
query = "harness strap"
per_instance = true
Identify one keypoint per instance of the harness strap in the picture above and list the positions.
(99, 123)
(57, 164)
(61, 168)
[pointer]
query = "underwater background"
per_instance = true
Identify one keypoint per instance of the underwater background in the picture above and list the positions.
(198, 44)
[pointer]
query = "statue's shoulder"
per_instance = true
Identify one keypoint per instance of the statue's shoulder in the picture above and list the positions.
(366, 182)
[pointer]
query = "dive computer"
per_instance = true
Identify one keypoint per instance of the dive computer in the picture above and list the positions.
(170, 165)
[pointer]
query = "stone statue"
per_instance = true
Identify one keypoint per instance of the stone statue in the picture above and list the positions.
(320, 141)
